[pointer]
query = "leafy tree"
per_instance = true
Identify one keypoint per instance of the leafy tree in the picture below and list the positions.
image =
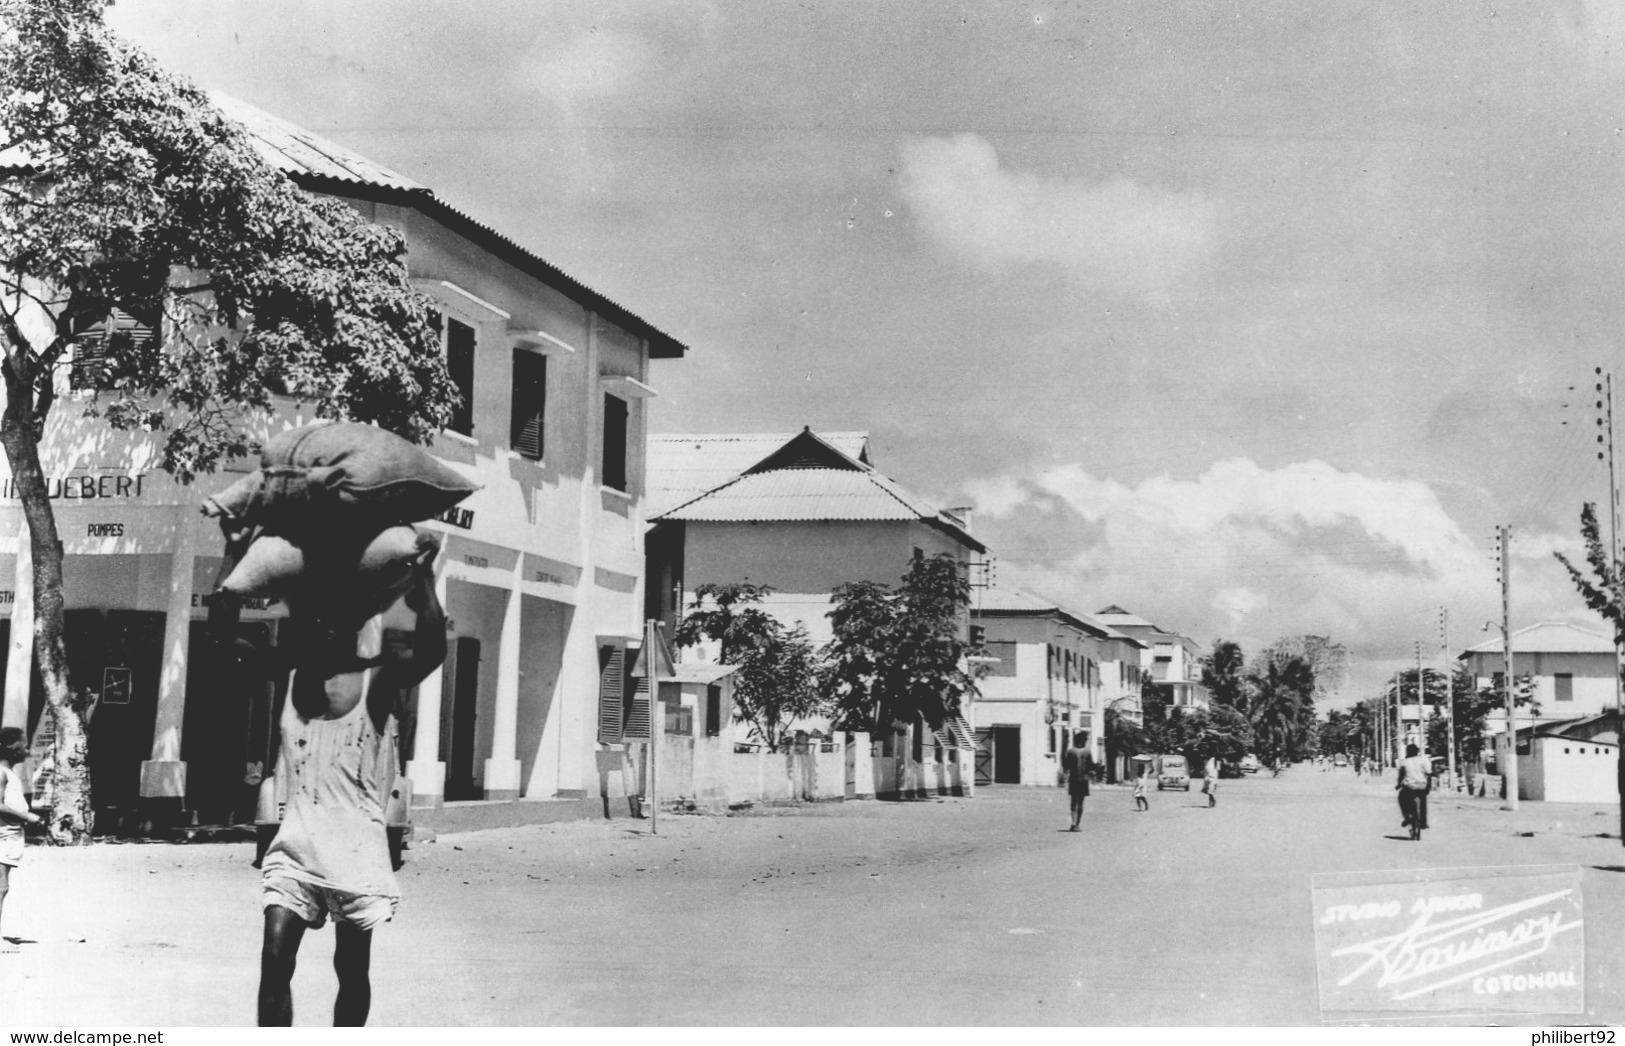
(1605, 595)
(1224, 674)
(134, 194)
(1473, 707)
(1327, 659)
(779, 669)
(1282, 706)
(1204, 734)
(1124, 740)
(898, 655)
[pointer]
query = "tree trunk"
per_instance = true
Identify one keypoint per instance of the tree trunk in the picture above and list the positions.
(71, 813)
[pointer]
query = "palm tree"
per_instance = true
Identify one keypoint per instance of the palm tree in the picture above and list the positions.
(1281, 703)
(1224, 674)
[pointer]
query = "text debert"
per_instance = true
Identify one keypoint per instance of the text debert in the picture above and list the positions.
(1345, 913)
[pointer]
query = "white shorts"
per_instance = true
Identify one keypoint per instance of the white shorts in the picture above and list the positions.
(314, 903)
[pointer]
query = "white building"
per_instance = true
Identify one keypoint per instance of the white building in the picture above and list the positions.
(1569, 761)
(1050, 672)
(1573, 670)
(1172, 661)
(542, 576)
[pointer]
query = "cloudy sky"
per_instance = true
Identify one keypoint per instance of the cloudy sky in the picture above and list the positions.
(1254, 317)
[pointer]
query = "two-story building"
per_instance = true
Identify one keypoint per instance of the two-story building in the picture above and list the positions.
(803, 514)
(541, 574)
(1048, 672)
(1171, 661)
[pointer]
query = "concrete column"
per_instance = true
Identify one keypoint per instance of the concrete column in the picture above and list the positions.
(425, 769)
(20, 658)
(502, 770)
(164, 775)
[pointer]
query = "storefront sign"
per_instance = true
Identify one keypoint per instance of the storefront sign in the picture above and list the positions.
(105, 530)
(115, 686)
(476, 561)
(463, 518)
(1496, 940)
(81, 488)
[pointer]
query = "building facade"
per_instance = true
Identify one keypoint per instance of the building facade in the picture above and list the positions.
(1048, 673)
(1171, 661)
(541, 572)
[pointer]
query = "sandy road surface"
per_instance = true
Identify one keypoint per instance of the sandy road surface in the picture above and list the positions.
(935, 912)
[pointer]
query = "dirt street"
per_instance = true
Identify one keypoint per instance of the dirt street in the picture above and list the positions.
(936, 912)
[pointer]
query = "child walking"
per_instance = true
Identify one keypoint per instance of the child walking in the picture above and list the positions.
(14, 813)
(1140, 801)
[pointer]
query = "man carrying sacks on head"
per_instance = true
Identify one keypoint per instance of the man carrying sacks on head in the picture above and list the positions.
(324, 526)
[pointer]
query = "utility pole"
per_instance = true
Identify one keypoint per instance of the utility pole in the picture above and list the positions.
(1511, 769)
(1449, 696)
(1421, 701)
(1605, 386)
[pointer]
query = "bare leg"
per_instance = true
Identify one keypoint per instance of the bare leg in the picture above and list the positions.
(352, 961)
(5, 886)
(283, 932)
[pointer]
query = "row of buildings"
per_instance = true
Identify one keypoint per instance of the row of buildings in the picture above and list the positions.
(584, 528)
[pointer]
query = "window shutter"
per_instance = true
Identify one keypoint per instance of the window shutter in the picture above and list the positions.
(529, 403)
(611, 688)
(131, 330)
(460, 365)
(637, 710)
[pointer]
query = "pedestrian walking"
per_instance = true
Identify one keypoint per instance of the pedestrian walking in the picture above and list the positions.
(1415, 780)
(14, 813)
(1075, 762)
(1140, 784)
(331, 856)
(1210, 782)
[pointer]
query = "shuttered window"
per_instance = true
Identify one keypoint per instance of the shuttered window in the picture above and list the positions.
(614, 471)
(637, 709)
(611, 693)
(121, 332)
(460, 343)
(529, 403)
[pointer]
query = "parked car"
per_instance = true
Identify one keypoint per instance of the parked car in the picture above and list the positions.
(1173, 772)
(1340, 760)
(1249, 764)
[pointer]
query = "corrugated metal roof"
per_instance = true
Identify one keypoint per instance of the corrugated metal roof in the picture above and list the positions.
(682, 467)
(1548, 637)
(801, 494)
(319, 165)
(297, 152)
(1019, 601)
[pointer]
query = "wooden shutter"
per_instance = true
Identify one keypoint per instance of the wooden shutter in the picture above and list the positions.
(121, 330)
(529, 402)
(611, 691)
(637, 710)
(460, 365)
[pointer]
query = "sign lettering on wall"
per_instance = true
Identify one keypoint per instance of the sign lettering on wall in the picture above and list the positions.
(105, 530)
(81, 487)
(463, 518)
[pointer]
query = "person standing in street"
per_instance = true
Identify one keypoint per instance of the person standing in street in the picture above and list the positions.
(331, 855)
(1140, 785)
(1415, 779)
(1076, 763)
(1210, 782)
(14, 813)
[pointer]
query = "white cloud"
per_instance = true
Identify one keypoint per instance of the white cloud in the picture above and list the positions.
(1251, 553)
(1117, 234)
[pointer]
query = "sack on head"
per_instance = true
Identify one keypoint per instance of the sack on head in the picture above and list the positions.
(341, 470)
(342, 576)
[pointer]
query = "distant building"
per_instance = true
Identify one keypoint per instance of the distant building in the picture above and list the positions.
(1573, 670)
(1049, 672)
(1570, 761)
(1172, 661)
(803, 514)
